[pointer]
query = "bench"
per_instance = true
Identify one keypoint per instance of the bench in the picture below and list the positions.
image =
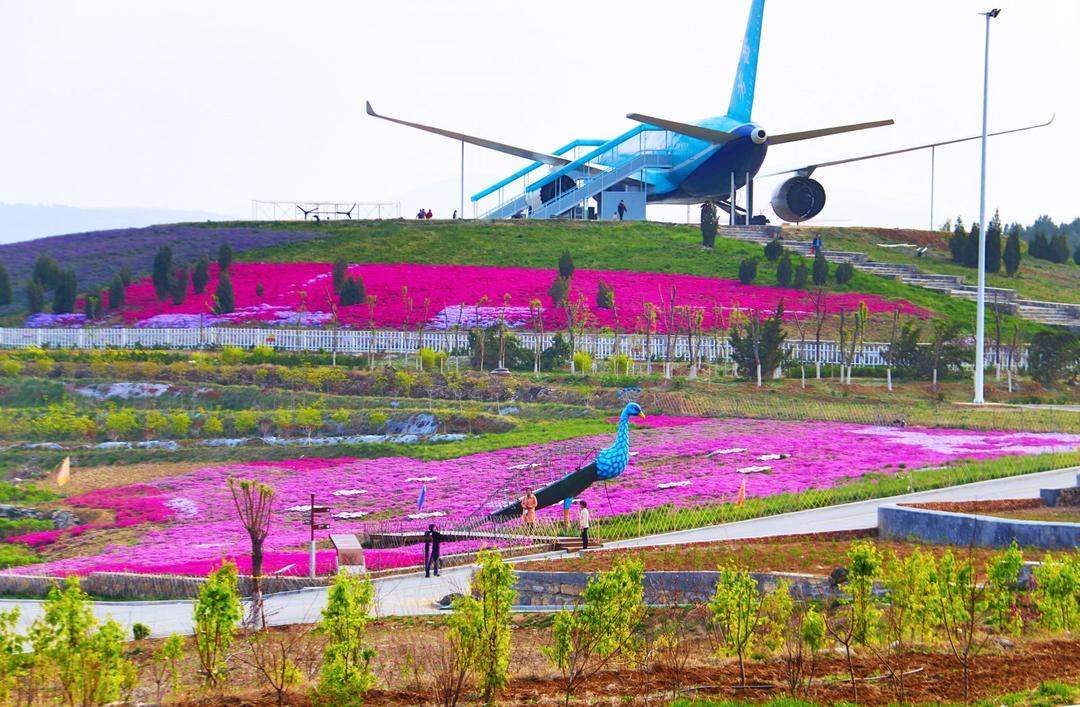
(350, 554)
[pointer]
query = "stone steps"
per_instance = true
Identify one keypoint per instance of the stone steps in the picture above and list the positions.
(1056, 313)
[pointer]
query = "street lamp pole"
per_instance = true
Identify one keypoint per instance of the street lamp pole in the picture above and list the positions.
(980, 302)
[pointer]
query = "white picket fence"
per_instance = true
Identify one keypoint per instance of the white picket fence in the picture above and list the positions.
(389, 342)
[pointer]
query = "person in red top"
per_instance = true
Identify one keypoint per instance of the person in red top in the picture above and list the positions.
(429, 213)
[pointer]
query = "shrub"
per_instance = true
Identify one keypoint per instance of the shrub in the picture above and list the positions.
(309, 419)
(200, 274)
(5, 286)
(117, 293)
(341, 416)
(557, 355)
(217, 614)
(605, 296)
(558, 291)
(162, 272)
(844, 273)
(773, 250)
(820, 272)
(566, 265)
(346, 670)
(14, 663)
(258, 289)
(64, 293)
(1054, 357)
(736, 612)
(620, 364)
(212, 426)
(482, 622)
(747, 270)
(583, 362)
(245, 422)
(232, 355)
(1057, 586)
(10, 367)
(802, 275)
(121, 423)
(179, 424)
(759, 342)
(154, 421)
(784, 271)
(340, 270)
(352, 292)
(140, 631)
(224, 256)
(35, 297)
(430, 359)
(224, 297)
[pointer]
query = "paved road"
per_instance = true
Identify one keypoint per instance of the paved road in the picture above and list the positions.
(413, 594)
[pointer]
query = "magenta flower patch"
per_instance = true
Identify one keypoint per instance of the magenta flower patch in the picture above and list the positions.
(190, 523)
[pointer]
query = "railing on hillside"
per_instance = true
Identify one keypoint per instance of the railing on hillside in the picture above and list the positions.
(638, 347)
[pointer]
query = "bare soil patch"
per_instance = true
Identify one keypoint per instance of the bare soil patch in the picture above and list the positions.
(1012, 508)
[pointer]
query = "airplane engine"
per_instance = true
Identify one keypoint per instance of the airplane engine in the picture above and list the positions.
(798, 199)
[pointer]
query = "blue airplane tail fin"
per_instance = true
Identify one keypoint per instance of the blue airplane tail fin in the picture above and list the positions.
(742, 91)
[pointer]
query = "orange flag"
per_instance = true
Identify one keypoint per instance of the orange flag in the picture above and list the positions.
(63, 472)
(741, 496)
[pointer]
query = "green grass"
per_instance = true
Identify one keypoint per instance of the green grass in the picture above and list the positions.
(649, 247)
(1036, 279)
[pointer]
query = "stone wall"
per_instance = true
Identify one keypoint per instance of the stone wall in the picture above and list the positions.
(565, 588)
(962, 529)
(134, 586)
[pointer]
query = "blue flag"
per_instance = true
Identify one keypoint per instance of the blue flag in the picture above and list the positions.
(421, 498)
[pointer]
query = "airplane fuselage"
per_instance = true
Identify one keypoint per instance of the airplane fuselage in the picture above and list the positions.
(702, 171)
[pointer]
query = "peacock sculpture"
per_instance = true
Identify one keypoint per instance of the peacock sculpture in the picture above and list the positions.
(609, 463)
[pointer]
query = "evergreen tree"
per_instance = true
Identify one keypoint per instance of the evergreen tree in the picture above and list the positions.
(35, 297)
(958, 242)
(224, 298)
(347, 295)
(178, 286)
(1076, 259)
(773, 250)
(747, 270)
(200, 274)
(89, 305)
(605, 296)
(46, 272)
(1059, 249)
(802, 275)
(971, 247)
(566, 265)
(844, 273)
(708, 225)
(1039, 246)
(341, 269)
(163, 271)
(993, 244)
(116, 293)
(224, 256)
(820, 273)
(558, 291)
(1012, 250)
(784, 271)
(125, 276)
(5, 287)
(65, 293)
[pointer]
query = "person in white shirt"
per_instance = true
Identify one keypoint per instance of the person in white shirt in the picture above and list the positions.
(583, 521)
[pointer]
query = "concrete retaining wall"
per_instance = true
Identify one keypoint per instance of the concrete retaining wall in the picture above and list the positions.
(125, 585)
(565, 588)
(962, 529)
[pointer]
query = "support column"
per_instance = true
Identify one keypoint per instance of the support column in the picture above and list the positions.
(749, 198)
(731, 202)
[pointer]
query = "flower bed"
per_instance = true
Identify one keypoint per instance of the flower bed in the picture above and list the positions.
(446, 296)
(191, 522)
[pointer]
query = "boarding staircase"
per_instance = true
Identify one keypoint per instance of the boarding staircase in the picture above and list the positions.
(1056, 313)
(590, 186)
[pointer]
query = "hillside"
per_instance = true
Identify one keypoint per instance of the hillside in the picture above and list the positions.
(1037, 279)
(98, 255)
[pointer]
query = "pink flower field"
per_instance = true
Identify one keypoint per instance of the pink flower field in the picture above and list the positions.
(190, 522)
(444, 296)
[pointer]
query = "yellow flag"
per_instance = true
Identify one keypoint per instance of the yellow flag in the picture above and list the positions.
(742, 493)
(63, 472)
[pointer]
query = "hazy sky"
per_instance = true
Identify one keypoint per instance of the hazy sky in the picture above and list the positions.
(207, 105)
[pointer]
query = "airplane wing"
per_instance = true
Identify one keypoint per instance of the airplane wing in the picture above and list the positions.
(807, 170)
(717, 137)
(478, 141)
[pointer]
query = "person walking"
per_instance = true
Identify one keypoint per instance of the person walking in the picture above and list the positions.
(429, 213)
(583, 521)
(621, 210)
(432, 546)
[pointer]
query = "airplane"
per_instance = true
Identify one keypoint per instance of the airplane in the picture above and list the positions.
(674, 162)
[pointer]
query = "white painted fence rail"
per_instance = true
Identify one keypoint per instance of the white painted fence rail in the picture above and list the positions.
(379, 341)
